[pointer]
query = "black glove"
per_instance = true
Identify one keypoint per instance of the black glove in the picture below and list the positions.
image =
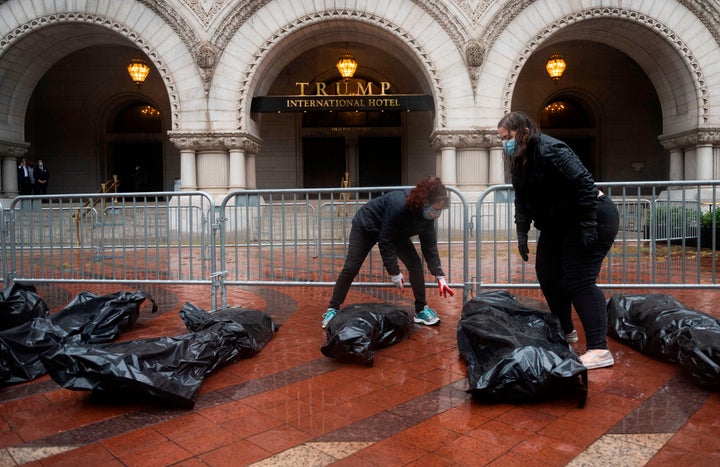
(523, 245)
(588, 235)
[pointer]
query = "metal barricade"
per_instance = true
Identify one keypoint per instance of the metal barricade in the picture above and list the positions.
(4, 249)
(299, 237)
(129, 238)
(668, 238)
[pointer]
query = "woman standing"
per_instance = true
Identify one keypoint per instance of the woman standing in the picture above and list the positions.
(577, 225)
(390, 220)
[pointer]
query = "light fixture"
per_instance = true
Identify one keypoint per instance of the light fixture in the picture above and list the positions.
(149, 111)
(138, 70)
(556, 66)
(555, 107)
(347, 64)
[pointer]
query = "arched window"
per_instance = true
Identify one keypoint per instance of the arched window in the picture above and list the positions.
(565, 112)
(137, 118)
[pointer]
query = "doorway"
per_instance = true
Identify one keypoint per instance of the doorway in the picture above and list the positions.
(323, 162)
(380, 161)
(124, 156)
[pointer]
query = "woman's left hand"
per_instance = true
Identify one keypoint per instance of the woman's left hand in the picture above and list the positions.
(443, 287)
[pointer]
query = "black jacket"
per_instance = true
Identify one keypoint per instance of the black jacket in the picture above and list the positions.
(390, 218)
(554, 189)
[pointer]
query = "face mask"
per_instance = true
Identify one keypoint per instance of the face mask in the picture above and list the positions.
(430, 213)
(509, 146)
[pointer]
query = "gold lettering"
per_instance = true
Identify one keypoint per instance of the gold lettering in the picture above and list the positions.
(337, 88)
(320, 89)
(302, 87)
(365, 91)
(384, 86)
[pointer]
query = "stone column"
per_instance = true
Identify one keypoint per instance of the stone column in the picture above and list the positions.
(237, 179)
(691, 153)
(216, 162)
(677, 162)
(188, 174)
(466, 158)
(472, 168)
(497, 167)
(250, 171)
(10, 153)
(704, 161)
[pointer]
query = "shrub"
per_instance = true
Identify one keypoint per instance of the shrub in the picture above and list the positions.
(706, 220)
(675, 215)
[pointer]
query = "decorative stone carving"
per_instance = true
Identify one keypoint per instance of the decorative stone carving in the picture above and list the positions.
(206, 57)
(474, 54)
(17, 150)
(691, 139)
(215, 141)
(463, 139)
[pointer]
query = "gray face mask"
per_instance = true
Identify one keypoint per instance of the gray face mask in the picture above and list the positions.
(430, 213)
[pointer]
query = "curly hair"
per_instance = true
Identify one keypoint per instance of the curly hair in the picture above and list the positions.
(429, 191)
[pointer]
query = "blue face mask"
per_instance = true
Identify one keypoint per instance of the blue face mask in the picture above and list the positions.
(509, 146)
(430, 213)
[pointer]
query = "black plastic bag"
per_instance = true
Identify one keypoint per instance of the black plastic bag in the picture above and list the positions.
(660, 326)
(170, 369)
(357, 331)
(250, 330)
(20, 349)
(88, 318)
(101, 318)
(515, 353)
(21, 304)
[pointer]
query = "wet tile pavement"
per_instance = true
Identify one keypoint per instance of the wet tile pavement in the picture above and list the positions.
(289, 405)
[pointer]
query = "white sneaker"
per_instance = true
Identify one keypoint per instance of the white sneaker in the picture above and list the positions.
(571, 337)
(597, 358)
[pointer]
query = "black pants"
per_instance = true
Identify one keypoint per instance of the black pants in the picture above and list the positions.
(359, 245)
(568, 271)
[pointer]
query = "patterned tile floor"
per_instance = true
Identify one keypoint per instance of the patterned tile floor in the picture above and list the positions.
(290, 405)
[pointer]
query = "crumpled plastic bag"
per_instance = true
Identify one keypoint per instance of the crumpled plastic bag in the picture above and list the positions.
(101, 318)
(88, 318)
(660, 326)
(20, 303)
(515, 353)
(170, 369)
(357, 331)
(21, 347)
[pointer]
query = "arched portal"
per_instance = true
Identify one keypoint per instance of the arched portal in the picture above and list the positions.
(384, 145)
(84, 121)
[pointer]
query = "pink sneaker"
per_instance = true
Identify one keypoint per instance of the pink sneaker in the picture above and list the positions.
(597, 358)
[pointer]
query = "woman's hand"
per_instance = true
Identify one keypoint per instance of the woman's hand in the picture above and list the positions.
(399, 281)
(443, 287)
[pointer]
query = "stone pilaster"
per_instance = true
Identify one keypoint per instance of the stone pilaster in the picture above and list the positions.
(216, 162)
(466, 157)
(10, 153)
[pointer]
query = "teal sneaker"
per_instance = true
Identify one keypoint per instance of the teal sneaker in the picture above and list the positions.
(426, 316)
(329, 314)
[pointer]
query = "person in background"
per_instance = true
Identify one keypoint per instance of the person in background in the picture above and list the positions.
(390, 220)
(138, 179)
(42, 177)
(24, 178)
(577, 224)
